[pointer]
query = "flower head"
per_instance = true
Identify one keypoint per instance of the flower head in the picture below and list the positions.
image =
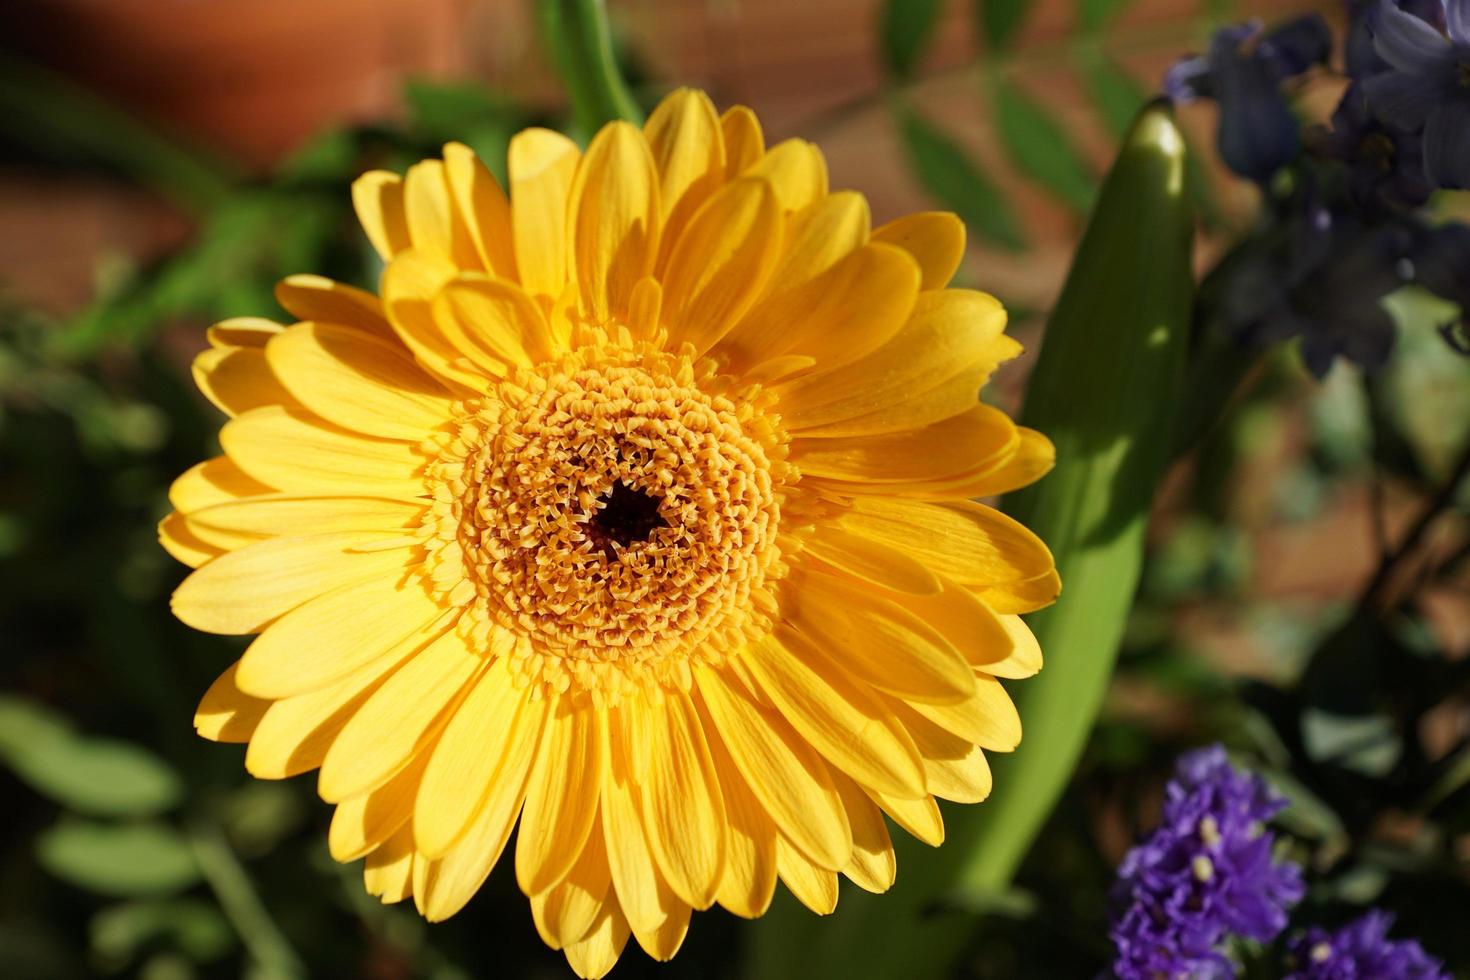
(634, 510)
(1205, 874)
(1361, 950)
(1244, 71)
(1425, 87)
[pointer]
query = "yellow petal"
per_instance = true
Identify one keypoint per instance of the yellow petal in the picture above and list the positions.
(869, 560)
(749, 880)
(944, 450)
(242, 331)
(1026, 595)
(495, 324)
(183, 543)
(663, 942)
(873, 866)
(954, 768)
(434, 226)
(614, 220)
(1033, 458)
(988, 718)
(566, 912)
(1025, 656)
(874, 640)
(486, 736)
(936, 240)
(744, 144)
(683, 810)
(968, 542)
(814, 887)
(821, 234)
(594, 955)
(443, 885)
(561, 796)
(953, 396)
(966, 622)
(683, 135)
(921, 817)
(354, 380)
(244, 590)
(321, 299)
(237, 379)
(542, 165)
(483, 207)
(645, 309)
(846, 312)
(789, 779)
(226, 713)
(649, 903)
(797, 171)
(841, 720)
(400, 719)
(333, 635)
(296, 732)
(949, 331)
(364, 822)
(410, 283)
(282, 515)
(388, 871)
(720, 263)
(296, 453)
(378, 197)
(213, 481)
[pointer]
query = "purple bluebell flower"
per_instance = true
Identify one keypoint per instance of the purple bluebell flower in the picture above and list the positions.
(1426, 87)
(1205, 874)
(1362, 59)
(1384, 164)
(1244, 71)
(1320, 275)
(1361, 950)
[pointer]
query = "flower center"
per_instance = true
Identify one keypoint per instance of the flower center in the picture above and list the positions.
(625, 515)
(609, 518)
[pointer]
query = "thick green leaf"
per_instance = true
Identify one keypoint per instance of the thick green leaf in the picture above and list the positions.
(194, 928)
(97, 776)
(907, 26)
(126, 860)
(999, 20)
(1103, 388)
(1110, 368)
(1038, 145)
(956, 181)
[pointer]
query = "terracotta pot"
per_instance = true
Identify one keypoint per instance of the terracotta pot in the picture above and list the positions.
(250, 78)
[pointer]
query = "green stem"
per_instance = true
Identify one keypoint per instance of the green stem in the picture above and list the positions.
(237, 898)
(581, 43)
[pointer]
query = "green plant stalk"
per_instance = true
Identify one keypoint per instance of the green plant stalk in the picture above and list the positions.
(1104, 389)
(268, 948)
(581, 44)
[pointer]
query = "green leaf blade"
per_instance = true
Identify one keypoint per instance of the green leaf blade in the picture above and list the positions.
(956, 181)
(1000, 20)
(1038, 145)
(905, 30)
(123, 860)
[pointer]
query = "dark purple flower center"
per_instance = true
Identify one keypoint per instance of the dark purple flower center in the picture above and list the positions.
(1377, 150)
(627, 515)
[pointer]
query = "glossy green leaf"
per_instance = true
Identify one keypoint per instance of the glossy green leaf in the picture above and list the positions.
(905, 31)
(97, 776)
(125, 860)
(1038, 145)
(956, 181)
(999, 20)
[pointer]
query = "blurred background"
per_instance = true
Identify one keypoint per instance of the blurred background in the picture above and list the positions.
(164, 162)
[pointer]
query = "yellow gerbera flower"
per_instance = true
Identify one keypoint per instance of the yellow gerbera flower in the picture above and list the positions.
(635, 511)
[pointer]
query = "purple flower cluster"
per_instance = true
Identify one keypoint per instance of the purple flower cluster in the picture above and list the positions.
(1206, 874)
(1361, 950)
